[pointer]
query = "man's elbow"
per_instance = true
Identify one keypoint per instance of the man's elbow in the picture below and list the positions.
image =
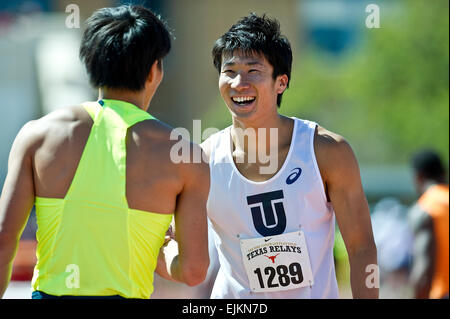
(195, 274)
(8, 247)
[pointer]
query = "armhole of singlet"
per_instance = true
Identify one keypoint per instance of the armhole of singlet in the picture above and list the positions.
(212, 154)
(313, 127)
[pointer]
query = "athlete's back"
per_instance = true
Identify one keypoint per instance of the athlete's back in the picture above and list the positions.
(57, 142)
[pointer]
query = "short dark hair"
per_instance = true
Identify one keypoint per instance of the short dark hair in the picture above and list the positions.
(261, 35)
(428, 164)
(119, 46)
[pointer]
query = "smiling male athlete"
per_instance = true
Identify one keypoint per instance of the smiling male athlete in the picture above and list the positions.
(275, 221)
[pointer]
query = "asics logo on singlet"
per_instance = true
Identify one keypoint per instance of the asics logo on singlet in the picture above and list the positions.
(268, 222)
(294, 176)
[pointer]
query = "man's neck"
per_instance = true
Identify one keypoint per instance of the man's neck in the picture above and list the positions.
(428, 184)
(136, 98)
(267, 120)
(272, 132)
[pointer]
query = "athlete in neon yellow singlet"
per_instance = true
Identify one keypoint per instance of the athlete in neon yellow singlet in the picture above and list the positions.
(125, 244)
(101, 177)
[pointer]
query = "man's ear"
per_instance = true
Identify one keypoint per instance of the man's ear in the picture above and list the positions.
(153, 74)
(282, 83)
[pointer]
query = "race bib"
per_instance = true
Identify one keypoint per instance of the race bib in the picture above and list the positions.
(276, 263)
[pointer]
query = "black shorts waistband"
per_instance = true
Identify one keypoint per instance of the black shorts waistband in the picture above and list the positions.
(42, 295)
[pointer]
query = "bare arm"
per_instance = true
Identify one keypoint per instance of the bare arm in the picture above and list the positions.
(16, 201)
(340, 171)
(187, 259)
(423, 252)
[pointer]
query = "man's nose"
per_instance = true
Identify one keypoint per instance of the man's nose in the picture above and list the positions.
(239, 82)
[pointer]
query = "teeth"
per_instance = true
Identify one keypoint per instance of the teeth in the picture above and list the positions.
(241, 99)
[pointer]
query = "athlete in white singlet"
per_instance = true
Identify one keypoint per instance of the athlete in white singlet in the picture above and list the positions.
(278, 183)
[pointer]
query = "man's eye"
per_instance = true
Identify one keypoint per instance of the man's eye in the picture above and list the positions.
(253, 71)
(228, 71)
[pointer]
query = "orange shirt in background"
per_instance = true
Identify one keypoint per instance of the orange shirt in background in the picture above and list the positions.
(435, 201)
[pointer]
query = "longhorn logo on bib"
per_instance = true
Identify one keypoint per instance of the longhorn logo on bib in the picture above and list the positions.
(266, 221)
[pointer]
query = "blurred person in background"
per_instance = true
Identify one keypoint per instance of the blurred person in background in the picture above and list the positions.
(102, 180)
(394, 251)
(430, 222)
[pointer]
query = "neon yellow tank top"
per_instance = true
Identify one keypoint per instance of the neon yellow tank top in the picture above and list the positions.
(90, 243)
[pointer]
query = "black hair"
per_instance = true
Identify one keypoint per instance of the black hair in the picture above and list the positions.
(428, 164)
(119, 46)
(261, 35)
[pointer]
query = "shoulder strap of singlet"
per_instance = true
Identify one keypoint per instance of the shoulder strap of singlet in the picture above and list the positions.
(218, 143)
(93, 108)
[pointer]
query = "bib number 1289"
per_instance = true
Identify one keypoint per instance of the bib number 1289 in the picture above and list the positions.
(286, 275)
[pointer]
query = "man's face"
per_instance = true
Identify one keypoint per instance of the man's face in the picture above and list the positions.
(247, 86)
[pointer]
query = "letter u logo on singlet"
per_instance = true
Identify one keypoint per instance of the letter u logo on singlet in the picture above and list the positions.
(273, 223)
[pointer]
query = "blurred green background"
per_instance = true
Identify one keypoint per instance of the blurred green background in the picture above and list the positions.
(387, 95)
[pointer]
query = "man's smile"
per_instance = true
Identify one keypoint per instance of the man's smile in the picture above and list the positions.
(243, 101)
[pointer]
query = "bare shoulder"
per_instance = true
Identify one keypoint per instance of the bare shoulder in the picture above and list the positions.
(67, 114)
(60, 118)
(164, 144)
(152, 128)
(326, 141)
(333, 152)
(155, 134)
(53, 126)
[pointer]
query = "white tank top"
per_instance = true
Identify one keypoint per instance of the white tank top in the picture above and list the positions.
(293, 199)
